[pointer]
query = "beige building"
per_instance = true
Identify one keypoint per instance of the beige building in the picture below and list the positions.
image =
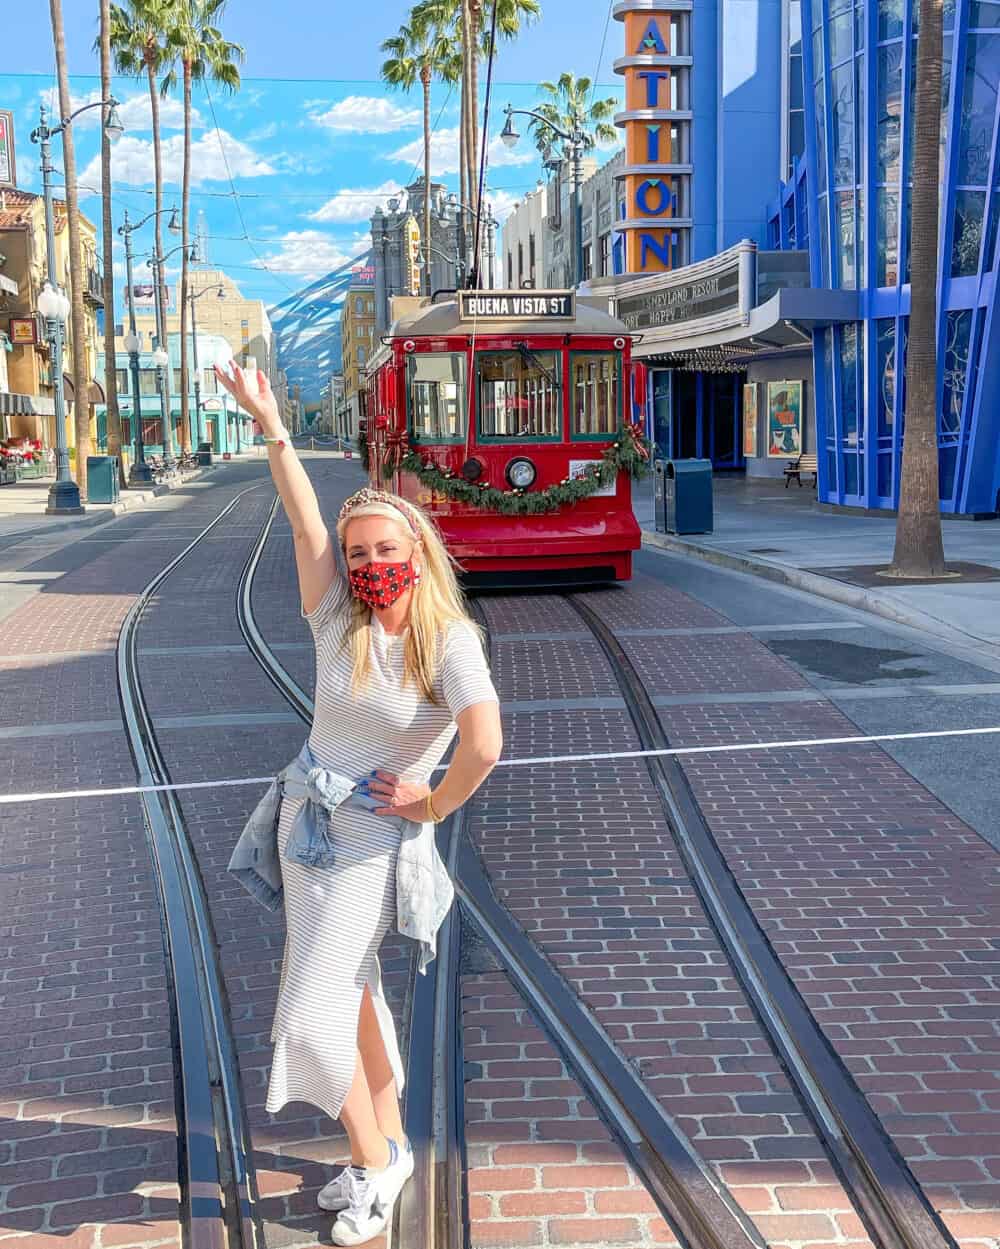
(27, 407)
(357, 342)
(242, 322)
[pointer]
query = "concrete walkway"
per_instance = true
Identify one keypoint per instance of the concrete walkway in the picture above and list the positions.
(781, 534)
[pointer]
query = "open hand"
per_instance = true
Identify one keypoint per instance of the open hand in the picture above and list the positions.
(404, 799)
(262, 406)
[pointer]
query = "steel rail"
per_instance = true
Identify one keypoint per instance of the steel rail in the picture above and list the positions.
(696, 1204)
(218, 1204)
(887, 1197)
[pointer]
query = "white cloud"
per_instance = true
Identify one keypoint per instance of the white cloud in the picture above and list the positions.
(132, 160)
(356, 205)
(502, 203)
(310, 253)
(444, 153)
(366, 114)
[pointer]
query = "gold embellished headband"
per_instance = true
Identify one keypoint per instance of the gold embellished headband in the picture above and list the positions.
(362, 498)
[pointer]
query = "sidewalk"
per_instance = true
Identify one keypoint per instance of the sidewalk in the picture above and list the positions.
(22, 505)
(781, 534)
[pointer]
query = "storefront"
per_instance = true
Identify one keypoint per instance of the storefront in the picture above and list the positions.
(728, 344)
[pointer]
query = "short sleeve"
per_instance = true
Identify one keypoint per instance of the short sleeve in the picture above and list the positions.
(465, 674)
(332, 604)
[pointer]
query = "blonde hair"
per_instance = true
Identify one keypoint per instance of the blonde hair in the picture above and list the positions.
(435, 604)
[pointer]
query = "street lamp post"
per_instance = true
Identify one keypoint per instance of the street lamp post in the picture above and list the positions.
(64, 494)
(161, 357)
(576, 140)
(194, 345)
(423, 262)
(460, 239)
(141, 474)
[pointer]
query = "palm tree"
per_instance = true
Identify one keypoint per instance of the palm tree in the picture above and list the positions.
(114, 425)
(423, 50)
(81, 382)
(139, 35)
(566, 107)
(919, 549)
(467, 16)
(203, 53)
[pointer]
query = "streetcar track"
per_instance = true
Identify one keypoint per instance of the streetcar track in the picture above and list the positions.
(887, 1197)
(432, 1213)
(218, 1199)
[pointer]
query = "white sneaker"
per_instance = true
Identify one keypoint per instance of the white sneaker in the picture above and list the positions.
(366, 1214)
(333, 1196)
(394, 1176)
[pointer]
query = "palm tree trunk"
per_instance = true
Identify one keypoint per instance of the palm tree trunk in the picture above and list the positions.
(185, 211)
(107, 247)
(81, 379)
(425, 82)
(161, 289)
(919, 550)
(471, 103)
(475, 12)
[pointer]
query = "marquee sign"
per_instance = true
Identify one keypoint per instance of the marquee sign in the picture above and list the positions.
(517, 305)
(656, 130)
(677, 304)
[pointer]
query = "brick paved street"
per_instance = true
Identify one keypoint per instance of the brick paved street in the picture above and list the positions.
(880, 901)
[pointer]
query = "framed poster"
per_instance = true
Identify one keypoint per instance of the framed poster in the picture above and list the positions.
(8, 170)
(784, 420)
(23, 331)
(750, 420)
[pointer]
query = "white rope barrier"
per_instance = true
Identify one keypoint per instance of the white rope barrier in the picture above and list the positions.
(676, 752)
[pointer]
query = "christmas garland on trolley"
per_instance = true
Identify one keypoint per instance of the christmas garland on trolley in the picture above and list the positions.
(629, 452)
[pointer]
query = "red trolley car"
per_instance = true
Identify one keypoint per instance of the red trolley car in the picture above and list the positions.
(509, 416)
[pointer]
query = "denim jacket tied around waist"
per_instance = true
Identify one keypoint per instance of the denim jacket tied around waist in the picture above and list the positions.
(424, 891)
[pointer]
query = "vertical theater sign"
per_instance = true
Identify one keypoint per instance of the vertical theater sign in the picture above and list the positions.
(657, 125)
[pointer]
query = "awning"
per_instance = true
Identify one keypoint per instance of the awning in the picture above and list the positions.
(95, 391)
(12, 404)
(782, 325)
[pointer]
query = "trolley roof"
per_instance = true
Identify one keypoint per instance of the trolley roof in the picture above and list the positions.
(440, 319)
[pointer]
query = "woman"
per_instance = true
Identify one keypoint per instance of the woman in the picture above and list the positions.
(399, 666)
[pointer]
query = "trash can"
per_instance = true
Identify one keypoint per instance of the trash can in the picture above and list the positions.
(205, 454)
(687, 496)
(102, 479)
(659, 496)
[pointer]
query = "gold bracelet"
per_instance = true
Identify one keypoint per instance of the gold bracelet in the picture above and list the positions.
(432, 815)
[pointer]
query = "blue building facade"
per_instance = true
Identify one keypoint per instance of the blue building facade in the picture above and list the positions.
(848, 201)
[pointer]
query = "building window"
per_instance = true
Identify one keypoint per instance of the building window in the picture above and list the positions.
(147, 382)
(361, 355)
(520, 263)
(209, 382)
(604, 255)
(531, 257)
(519, 394)
(122, 381)
(588, 261)
(437, 396)
(594, 378)
(510, 270)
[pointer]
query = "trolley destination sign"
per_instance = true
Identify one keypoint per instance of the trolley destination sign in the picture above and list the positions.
(517, 305)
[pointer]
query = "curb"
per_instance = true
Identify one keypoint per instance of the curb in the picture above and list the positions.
(813, 583)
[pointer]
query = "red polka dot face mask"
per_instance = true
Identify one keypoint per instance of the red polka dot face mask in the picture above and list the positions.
(380, 585)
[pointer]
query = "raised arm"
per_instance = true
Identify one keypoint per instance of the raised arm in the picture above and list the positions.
(315, 557)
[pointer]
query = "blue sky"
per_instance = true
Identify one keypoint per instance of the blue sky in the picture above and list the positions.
(312, 142)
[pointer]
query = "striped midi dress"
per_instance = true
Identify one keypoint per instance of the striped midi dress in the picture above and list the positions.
(337, 916)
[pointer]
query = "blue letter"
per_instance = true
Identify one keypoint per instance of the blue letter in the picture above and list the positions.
(661, 250)
(652, 40)
(642, 190)
(653, 144)
(653, 78)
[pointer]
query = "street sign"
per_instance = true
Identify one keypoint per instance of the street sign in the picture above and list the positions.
(8, 170)
(517, 305)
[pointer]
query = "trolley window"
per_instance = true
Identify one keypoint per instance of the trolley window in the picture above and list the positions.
(596, 394)
(520, 395)
(436, 393)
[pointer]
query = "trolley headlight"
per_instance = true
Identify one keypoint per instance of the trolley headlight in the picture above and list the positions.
(521, 474)
(472, 470)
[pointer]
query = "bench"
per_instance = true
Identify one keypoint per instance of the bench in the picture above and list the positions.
(795, 468)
